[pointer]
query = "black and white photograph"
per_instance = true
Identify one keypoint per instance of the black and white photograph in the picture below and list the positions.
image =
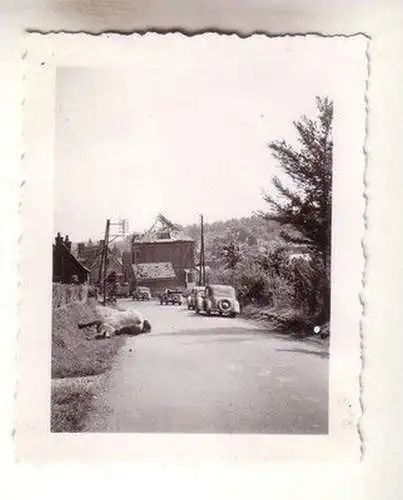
(198, 210)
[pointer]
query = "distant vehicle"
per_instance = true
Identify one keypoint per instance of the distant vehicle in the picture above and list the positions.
(220, 299)
(196, 297)
(122, 290)
(111, 299)
(171, 297)
(141, 293)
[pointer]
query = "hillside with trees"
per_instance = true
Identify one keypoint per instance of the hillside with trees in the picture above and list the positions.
(280, 258)
(246, 232)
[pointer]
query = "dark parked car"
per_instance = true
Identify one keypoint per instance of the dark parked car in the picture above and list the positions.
(141, 293)
(220, 299)
(171, 297)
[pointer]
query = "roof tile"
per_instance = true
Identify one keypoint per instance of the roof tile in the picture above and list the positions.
(154, 270)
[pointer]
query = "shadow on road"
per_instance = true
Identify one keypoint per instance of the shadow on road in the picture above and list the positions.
(320, 354)
(292, 337)
(250, 333)
(193, 314)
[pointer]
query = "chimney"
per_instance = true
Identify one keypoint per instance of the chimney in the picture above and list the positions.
(67, 242)
(58, 240)
(80, 249)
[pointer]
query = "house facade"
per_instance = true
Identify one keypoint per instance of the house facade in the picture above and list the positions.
(163, 257)
(90, 255)
(65, 264)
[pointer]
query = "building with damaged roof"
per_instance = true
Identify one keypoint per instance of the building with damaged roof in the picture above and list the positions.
(162, 257)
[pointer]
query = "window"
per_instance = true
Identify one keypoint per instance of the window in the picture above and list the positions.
(164, 235)
(136, 255)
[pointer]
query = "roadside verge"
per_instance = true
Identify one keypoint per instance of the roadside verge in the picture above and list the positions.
(79, 360)
(296, 332)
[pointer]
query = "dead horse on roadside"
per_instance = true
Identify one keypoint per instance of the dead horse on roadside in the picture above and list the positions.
(125, 323)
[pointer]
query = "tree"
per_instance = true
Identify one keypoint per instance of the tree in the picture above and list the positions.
(232, 254)
(303, 200)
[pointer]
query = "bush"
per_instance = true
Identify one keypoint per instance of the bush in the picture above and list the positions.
(270, 278)
(292, 321)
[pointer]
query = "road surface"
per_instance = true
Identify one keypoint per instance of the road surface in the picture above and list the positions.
(212, 374)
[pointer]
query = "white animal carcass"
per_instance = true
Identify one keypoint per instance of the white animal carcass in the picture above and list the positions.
(124, 322)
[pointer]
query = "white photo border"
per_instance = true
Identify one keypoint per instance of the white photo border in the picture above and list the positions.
(33, 438)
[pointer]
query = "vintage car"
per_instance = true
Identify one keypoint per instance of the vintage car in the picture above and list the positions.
(220, 299)
(141, 293)
(122, 290)
(196, 297)
(171, 297)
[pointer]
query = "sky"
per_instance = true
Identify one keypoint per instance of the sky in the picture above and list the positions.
(182, 128)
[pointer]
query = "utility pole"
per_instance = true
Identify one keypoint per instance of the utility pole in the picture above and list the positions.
(105, 259)
(103, 268)
(204, 257)
(201, 252)
(202, 269)
(133, 258)
(101, 264)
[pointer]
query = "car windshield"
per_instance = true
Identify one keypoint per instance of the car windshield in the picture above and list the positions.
(223, 291)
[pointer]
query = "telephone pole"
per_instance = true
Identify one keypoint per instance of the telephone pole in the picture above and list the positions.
(133, 258)
(202, 269)
(103, 269)
(105, 258)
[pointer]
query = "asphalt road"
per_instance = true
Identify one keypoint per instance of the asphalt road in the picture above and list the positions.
(212, 374)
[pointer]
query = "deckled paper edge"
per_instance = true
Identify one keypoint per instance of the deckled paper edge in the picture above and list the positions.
(212, 33)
